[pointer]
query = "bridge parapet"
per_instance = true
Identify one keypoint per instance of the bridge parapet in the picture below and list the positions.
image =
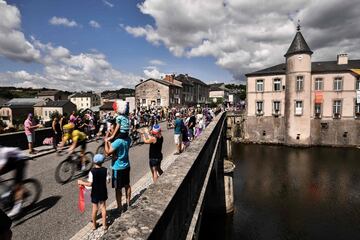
(167, 208)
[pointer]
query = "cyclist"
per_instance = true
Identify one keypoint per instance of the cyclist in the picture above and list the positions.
(78, 139)
(11, 158)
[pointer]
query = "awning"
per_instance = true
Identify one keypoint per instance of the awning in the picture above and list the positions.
(356, 71)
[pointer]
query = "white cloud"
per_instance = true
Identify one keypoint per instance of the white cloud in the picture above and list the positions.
(156, 62)
(12, 41)
(57, 21)
(247, 35)
(94, 24)
(153, 72)
(109, 4)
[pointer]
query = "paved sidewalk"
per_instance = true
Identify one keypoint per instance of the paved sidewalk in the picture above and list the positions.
(137, 189)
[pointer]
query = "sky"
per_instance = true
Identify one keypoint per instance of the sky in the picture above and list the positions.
(109, 44)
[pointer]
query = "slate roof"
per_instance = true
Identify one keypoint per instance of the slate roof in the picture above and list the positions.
(186, 78)
(59, 103)
(316, 67)
(48, 93)
(166, 83)
(83, 94)
(298, 46)
(22, 102)
(107, 106)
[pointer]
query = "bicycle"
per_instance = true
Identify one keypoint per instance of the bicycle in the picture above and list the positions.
(31, 193)
(135, 138)
(66, 168)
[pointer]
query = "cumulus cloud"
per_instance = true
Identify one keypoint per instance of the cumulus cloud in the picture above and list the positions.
(156, 62)
(13, 43)
(153, 72)
(246, 35)
(61, 68)
(94, 24)
(61, 21)
(107, 3)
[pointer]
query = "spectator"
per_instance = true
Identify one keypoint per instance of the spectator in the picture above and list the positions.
(155, 150)
(191, 125)
(120, 168)
(57, 133)
(72, 118)
(98, 177)
(30, 127)
(177, 132)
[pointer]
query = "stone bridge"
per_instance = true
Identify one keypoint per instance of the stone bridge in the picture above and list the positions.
(172, 207)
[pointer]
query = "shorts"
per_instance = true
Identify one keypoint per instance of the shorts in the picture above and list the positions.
(17, 165)
(97, 200)
(177, 139)
(154, 162)
(82, 144)
(122, 178)
(123, 135)
(31, 138)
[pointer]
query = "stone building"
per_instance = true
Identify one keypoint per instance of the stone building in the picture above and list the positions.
(45, 110)
(158, 93)
(84, 100)
(301, 102)
(194, 90)
(53, 95)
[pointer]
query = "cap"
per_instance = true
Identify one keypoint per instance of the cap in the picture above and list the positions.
(156, 129)
(98, 158)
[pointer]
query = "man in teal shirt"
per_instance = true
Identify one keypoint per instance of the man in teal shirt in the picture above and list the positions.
(177, 132)
(120, 168)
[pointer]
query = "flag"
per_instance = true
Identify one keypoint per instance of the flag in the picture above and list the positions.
(81, 202)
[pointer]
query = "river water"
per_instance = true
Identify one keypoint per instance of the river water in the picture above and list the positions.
(291, 193)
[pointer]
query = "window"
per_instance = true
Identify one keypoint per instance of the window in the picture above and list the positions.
(277, 84)
(298, 108)
(337, 108)
(357, 87)
(276, 107)
(299, 83)
(318, 84)
(317, 110)
(259, 107)
(144, 101)
(338, 84)
(158, 101)
(259, 85)
(357, 110)
(82, 105)
(45, 113)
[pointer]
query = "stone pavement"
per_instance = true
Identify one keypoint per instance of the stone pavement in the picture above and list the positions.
(137, 189)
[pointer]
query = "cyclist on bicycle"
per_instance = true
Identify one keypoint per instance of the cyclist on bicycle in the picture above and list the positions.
(11, 158)
(78, 139)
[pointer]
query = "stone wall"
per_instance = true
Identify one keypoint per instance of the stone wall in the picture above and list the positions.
(18, 139)
(166, 209)
(335, 132)
(264, 130)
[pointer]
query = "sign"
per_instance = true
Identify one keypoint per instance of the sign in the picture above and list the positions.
(319, 97)
(358, 96)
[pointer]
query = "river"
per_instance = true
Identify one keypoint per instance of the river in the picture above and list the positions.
(291, 193)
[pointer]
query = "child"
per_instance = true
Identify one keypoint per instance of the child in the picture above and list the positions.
(122, 121)
(98, 176)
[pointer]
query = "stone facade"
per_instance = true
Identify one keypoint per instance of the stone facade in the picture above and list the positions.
(303, 102)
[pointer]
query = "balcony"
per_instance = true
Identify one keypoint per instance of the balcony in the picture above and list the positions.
(337, 116)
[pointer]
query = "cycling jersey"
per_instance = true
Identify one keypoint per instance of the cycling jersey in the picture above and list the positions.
(76, 136)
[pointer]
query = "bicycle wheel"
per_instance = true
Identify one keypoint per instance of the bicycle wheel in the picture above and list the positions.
(32, 192)
(100, 149)
(88, 161)
(64, 171)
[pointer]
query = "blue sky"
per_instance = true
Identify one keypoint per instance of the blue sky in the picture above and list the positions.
(107, 44)
(123, 51)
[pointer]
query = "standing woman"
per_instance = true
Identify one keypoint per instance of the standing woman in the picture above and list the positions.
(57, 132)
(155, 150)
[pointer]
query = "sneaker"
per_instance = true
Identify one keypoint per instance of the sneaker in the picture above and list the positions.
(16, 209)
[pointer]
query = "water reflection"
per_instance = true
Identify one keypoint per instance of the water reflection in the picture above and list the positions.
(290, 193)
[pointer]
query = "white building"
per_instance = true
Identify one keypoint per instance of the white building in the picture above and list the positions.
(85, 100)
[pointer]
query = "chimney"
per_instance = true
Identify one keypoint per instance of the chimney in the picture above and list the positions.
(169, 78)
(342, 58)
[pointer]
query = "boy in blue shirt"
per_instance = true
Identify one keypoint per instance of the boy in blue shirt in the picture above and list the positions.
(122, 121)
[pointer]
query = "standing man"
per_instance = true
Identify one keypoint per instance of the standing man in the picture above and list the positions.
(177, 132)
(120, 168)
(191, 124)
(30, 127)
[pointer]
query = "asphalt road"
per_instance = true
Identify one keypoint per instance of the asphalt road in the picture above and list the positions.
(56, 215)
